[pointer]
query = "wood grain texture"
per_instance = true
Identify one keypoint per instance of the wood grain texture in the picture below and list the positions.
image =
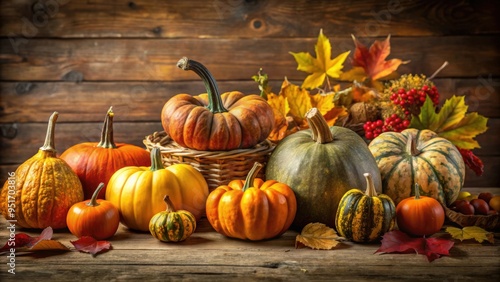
(143, 101)
(245, 19)
(211, 256)
(155, 59)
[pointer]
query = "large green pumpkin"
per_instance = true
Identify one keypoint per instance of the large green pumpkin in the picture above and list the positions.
(321, 164)
(418, 156)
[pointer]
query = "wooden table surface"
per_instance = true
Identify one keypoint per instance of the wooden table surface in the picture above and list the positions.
(210, 256)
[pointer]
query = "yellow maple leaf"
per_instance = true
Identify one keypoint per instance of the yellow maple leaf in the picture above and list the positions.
(318, 236)
(321, 66)
(470, 232)
(298, 99)
(324, 102)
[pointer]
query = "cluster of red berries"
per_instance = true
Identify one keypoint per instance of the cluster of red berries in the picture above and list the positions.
(412, 100)
(377, 127)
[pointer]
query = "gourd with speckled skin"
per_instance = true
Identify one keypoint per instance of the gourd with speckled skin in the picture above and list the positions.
(43, 189)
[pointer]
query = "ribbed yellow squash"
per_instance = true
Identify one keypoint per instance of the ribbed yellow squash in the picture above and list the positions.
(138, 192)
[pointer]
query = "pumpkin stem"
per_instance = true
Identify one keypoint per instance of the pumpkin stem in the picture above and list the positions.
(411, 146)
(251, 176)
(107, 131)
(417, 191)
(320, 130)
(48, 145)
(215, 104)
(370, 188)
(156, 163)
(93, 201)
(170, 206)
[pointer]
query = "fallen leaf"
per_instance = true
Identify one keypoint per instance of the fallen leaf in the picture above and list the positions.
(25, 243)
(90, 245)
(318, 236)
(451, 122)
(370, 64)
(321, 66)
(470, 232)
(399, 242)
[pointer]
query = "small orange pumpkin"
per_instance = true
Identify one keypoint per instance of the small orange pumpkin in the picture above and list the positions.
(95, 217)
(420, 215)
(251, 209)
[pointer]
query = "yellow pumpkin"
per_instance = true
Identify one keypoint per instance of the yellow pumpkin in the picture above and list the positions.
(138, 192)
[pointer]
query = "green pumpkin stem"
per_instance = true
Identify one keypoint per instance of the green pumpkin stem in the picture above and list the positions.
(320, 130)
(370, 187)
(93, 201)
(215, 104)
(251, 176)
(417, 191)
(48, 145)
(107, 131)
(170, 206)
(156, 162)
(411, 146)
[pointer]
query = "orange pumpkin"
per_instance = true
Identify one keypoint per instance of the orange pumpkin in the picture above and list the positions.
(95, 162)
(420, 215)
(95, 217)
(251, 209)
(216, 122)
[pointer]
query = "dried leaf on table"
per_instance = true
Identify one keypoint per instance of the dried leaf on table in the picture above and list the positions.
(25, 243)
(470, 232)
(318, 236)
(399, 242)
(90, 245)
(321, 66)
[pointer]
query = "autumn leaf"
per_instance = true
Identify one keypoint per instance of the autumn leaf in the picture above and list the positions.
(321, 66)
(25, 243)
(299, 101)
(90, 245)
(472, 161)
(399, 242)
(318, 236)
(470, 232)
(452, 122)
(370, 64)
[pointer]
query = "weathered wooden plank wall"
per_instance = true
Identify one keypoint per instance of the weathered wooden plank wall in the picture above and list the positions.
(80, 57)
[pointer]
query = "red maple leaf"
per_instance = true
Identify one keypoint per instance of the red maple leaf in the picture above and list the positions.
(399, 242)
(90, 245)
(373, 60)
(23, 240)
(472, 161)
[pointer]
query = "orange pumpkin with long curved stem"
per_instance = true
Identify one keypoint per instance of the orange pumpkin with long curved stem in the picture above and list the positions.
(215, 121)
(251, 209)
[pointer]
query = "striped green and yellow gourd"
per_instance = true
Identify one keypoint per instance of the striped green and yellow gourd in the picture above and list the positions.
(418, 157)
(365, 217)
(171, 225)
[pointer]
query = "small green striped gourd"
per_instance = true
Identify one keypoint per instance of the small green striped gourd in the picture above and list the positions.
(365, 217)
(418, 157)
(171, 225)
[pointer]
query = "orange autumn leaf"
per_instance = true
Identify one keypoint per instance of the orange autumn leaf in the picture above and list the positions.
(370, 63)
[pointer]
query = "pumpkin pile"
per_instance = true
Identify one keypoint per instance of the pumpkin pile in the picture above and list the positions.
(314, 174)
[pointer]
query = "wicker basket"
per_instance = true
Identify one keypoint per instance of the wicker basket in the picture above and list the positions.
(488, 222)
(218, 167)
